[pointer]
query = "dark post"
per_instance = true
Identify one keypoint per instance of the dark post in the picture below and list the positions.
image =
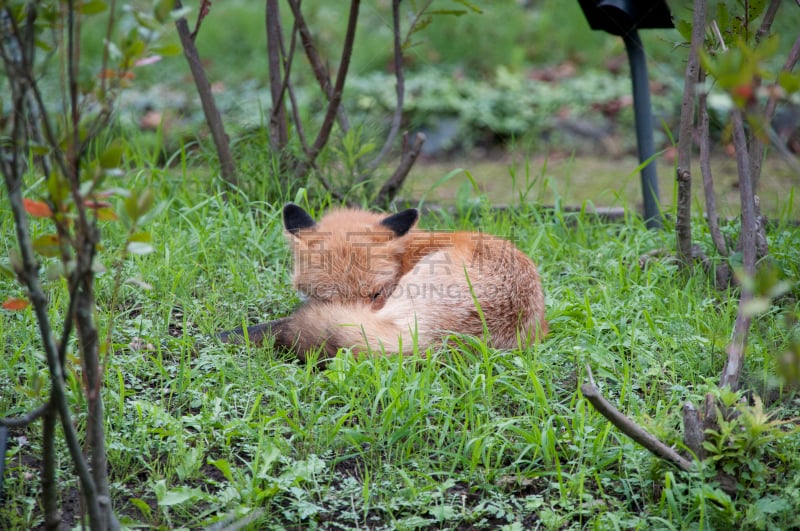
(624, 18)
(644, 127)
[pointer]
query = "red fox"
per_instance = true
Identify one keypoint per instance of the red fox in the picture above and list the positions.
(373, 283)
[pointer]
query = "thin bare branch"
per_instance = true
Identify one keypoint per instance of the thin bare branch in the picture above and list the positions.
(212, 114)
(705, 170)
(298, 123)
(52, 516)
(794, 56)
(112, 9)
(338, 88)
(205, 9)
(766, 22)
(278, 78)
(395, 182)
(27, 418)
(683, 173)
(399, 90)
(747, 241)
(316, 62)
(757, 146)
(746, 194)
(633, 430)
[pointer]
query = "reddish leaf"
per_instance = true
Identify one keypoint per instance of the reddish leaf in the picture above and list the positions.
(37, 209)
(95, 204)
(14, 304)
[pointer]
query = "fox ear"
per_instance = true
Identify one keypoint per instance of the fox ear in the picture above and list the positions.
(295, 219)
(402, 222)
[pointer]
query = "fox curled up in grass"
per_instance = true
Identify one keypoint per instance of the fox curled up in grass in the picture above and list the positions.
(373, 283)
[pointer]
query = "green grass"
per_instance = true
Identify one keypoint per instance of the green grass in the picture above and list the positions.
(459, 437)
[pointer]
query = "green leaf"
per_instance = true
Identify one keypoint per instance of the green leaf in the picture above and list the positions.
(223, 466)
(178, 496)
(684, 27)
(168, 49)
(39, 149)
(92, 7)
(111, 157)
(145, 201)
(134, 48)
(755, 8)
(6, 272)
(138, 203)
(162, 10)
(472, 7)
(454, 12)
(58, 188)
(142, 506)
(789, 82)
(143, 237)
(47, 245)
(268, 457)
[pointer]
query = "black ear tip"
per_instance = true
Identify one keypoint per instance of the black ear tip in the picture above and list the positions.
(402, 222)
(295, 218)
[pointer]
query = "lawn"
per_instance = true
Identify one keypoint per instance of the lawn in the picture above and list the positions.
(458, 437)
(462, 436)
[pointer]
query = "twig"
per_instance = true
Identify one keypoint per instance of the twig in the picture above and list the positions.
(104, 61)
(205, 8)
(27, 418)
(766, 22)
(279, 133)
(399, 90)
(756, 142)
(683, 172)
(288, 87)
(718, 34)
(747, 241)
(633, 430)
(338, 88)
(52, 516)
(705, 170)
(212, 114)
(317, 65)
(395, 182)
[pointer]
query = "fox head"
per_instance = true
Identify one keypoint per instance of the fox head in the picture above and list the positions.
(349, 256)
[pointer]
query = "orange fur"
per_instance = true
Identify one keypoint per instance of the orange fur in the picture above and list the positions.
(372, 283)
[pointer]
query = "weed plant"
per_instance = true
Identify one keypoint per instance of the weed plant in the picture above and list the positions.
(457, 437)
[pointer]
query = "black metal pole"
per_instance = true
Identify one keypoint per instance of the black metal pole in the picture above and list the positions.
(644, 127)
